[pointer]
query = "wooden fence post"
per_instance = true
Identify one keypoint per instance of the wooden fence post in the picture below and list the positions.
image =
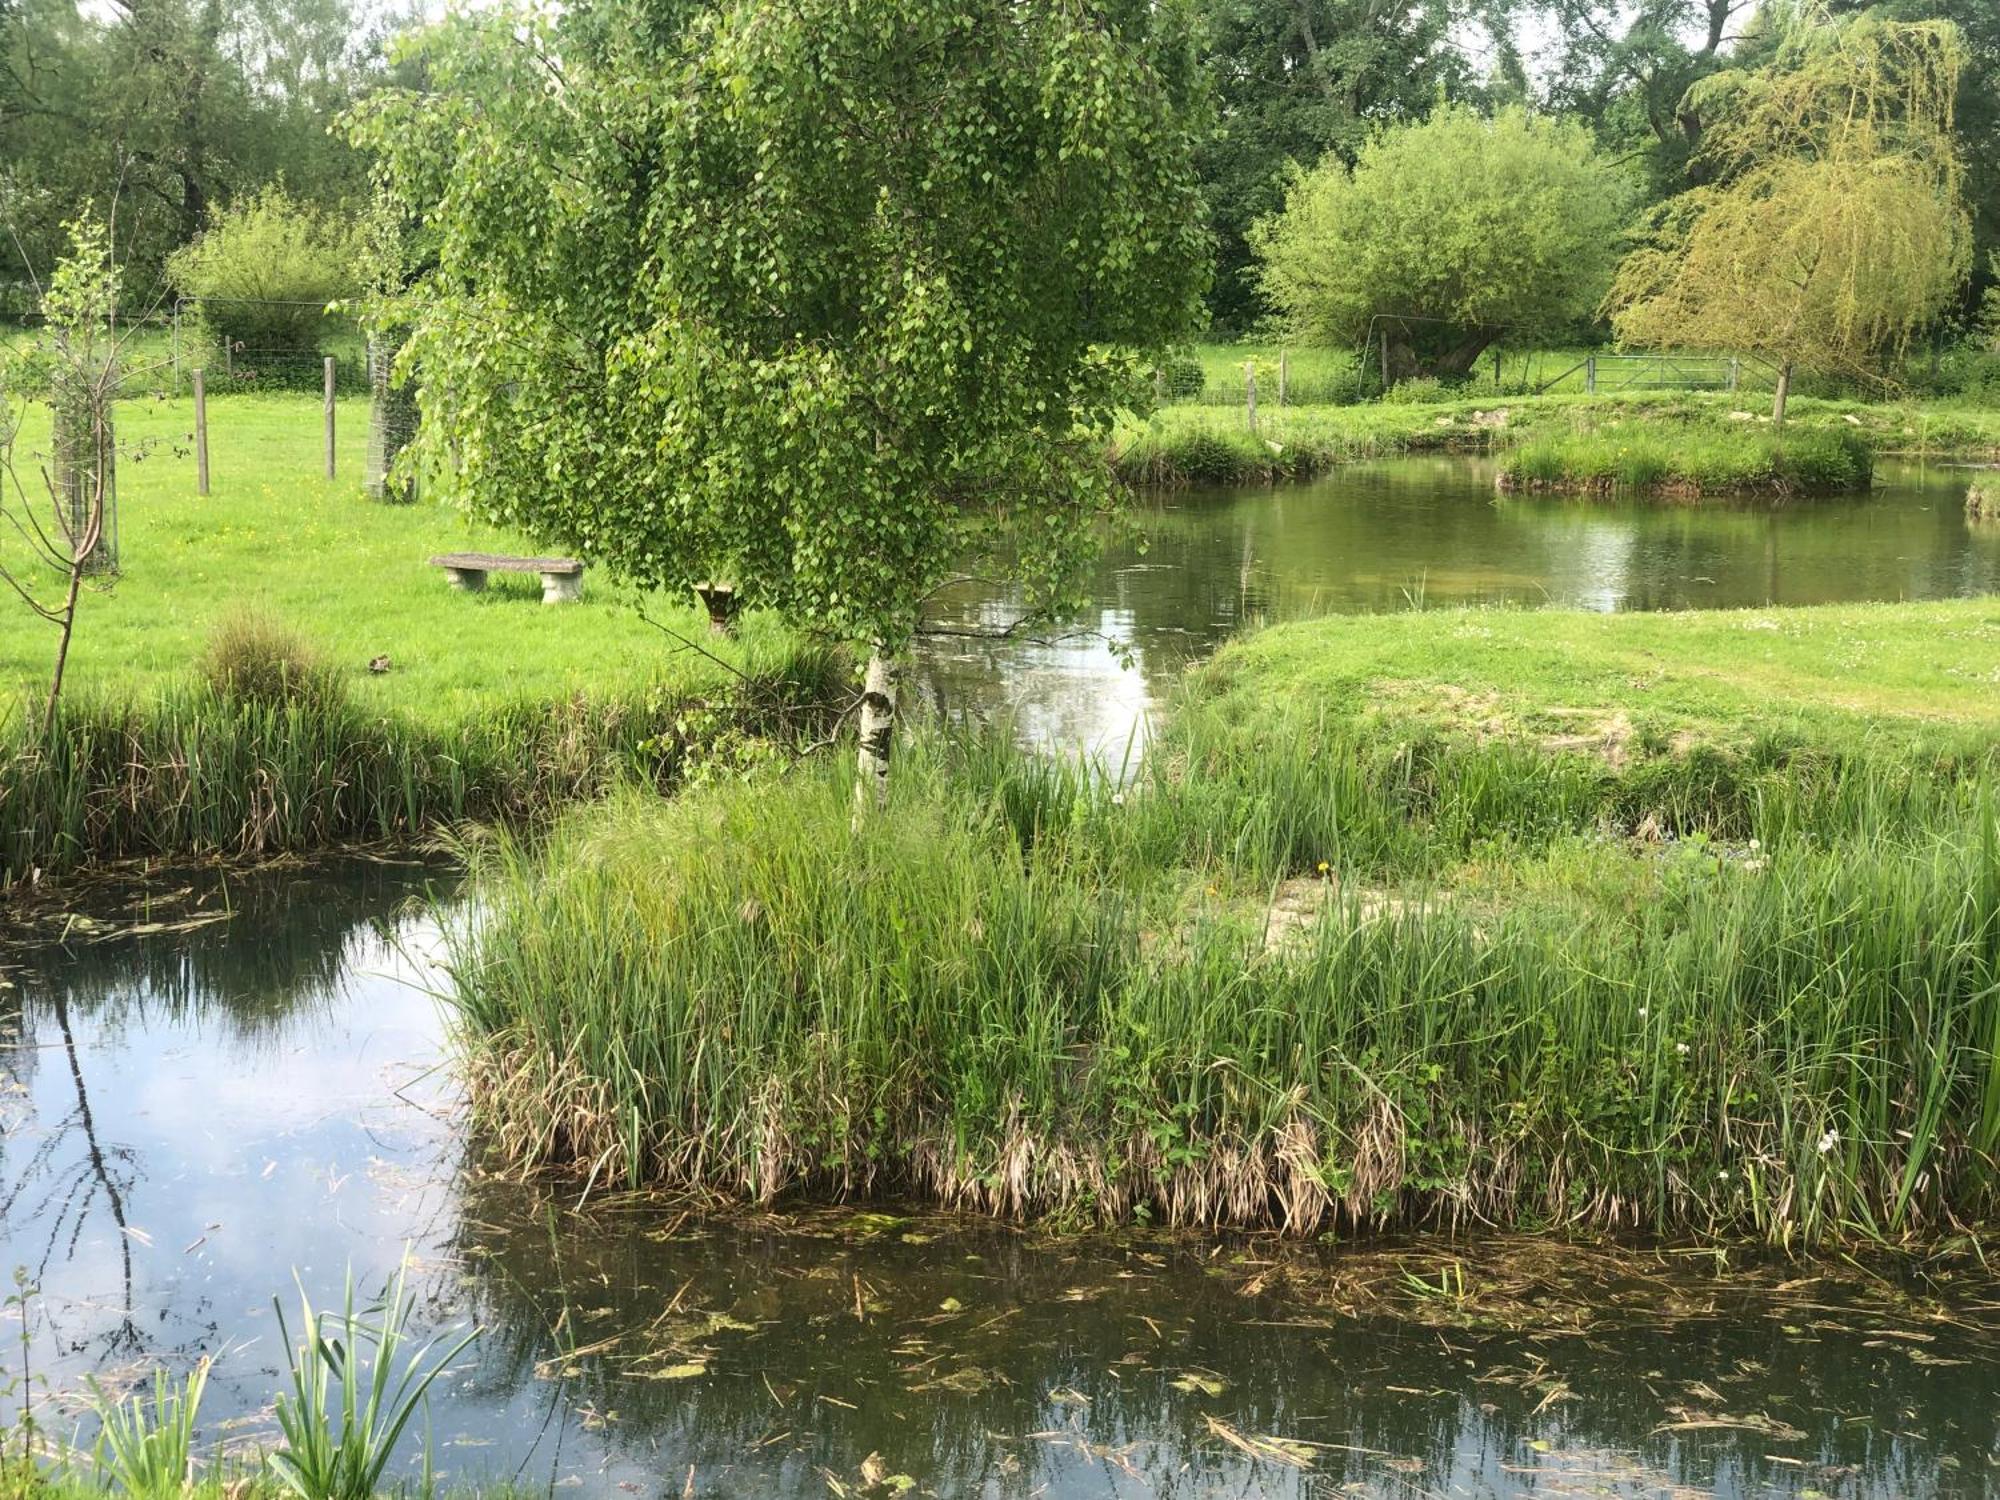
(1735, 372)
(1590, 375)
(329, 417)
(1250, 391)
(201, 432)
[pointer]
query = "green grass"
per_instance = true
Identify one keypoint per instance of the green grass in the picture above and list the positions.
(1903, 680)
(493, 705)
(1689, 460)
(1313, 967)
(278, 538)
(1191, 445)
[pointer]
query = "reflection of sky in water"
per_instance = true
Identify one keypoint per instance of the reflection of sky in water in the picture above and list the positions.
(1431, 532)
(261, 1097)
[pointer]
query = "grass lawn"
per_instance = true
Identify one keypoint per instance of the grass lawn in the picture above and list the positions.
(1890, 677)
(350, 575)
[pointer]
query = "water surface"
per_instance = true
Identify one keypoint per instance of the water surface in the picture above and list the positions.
(1432, 532)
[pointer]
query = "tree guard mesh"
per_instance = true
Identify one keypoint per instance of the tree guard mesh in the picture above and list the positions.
(85, 454)
(392, 422)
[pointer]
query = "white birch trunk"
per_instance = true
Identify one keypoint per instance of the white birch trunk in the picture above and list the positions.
(877, 734)
(1783, 397)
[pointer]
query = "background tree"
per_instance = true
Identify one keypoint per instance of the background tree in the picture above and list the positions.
(1446, 235)
(266, 268)
(173, 107)
(1834, 227)
(818, 297)
(1296, 80)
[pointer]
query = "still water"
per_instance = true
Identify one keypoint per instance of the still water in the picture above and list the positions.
(190, 1116)
(1415, 533)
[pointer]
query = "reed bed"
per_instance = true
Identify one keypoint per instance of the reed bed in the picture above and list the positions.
(210, 767)
(1690, 461)
(1328, 983)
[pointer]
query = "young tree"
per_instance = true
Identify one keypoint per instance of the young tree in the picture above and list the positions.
(831, 300)
(266, 268)
(1833, 228)
(77, 363)
(1446, 235)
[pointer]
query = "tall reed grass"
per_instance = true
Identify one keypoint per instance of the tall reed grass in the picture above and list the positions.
(1691, 460)
(1320, 982)
(203, 769)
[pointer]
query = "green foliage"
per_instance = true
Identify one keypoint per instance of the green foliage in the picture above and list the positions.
(344, 1415)
(254, 659)
(264, 271)
(163, 110)
(824, 299)
(146, 1451)
(1454, 231)
(1691, 460)
(1310, 967)
(1833, 228)
(1304, 80)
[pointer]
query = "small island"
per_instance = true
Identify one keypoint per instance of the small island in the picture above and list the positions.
(1689, 461)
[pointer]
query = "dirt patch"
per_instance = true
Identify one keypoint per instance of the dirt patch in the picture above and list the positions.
(1298, 905)
(1605, 733)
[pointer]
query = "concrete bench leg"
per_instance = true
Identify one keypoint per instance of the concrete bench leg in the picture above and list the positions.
(562, 588)
(470, 580)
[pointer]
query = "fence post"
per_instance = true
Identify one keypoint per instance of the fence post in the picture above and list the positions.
(1735, 372)
(329, 416)
(201, 432)
(1496, 372)
(1250, 392)
(1284, 374)
(1590, 375)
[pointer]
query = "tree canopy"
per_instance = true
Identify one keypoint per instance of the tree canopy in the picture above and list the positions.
(1445, 235)
(822, 298)
(1834, 228)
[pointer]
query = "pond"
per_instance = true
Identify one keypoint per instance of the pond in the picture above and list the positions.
(243, 1080)
(1413, 533)
(195, 1114)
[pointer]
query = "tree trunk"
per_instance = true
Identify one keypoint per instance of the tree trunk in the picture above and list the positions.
(1784, 394)
(1460, 358)
(877, 734)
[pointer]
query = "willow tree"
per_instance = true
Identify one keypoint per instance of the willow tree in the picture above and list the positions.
(1833, 227)
(826, 298)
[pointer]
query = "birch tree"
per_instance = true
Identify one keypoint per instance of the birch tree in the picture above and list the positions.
(829, 299)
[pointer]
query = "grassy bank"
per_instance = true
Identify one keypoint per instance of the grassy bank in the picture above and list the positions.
(1182, 445)
(419, 705)
(1314, 969)
(197, 770)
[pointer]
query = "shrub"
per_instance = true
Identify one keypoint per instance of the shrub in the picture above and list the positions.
(252, 659)
(265, 271)
(1982, 501)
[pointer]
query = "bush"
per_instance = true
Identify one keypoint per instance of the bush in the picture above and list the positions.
(1183, 377)
(1982, 501)
(252, 659)
(265, 271)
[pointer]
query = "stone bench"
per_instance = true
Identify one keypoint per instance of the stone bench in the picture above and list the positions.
(562, 577)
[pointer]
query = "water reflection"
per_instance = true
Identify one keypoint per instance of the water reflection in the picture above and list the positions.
(191, 1116)
(1417, 532)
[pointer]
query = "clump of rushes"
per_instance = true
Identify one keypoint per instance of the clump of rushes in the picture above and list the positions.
(1982, 500)
(265, 752)
(1689, 461)
(1320, 981)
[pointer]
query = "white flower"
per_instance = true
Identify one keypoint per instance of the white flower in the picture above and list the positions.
(1723, 1175)
(1642, 1012)
(1828, 1141)
(1682, 1048)
(1756, 844)
(1117, 799)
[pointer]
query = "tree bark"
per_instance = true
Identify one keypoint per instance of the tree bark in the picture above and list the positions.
(1784, 394)
(877, 734)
